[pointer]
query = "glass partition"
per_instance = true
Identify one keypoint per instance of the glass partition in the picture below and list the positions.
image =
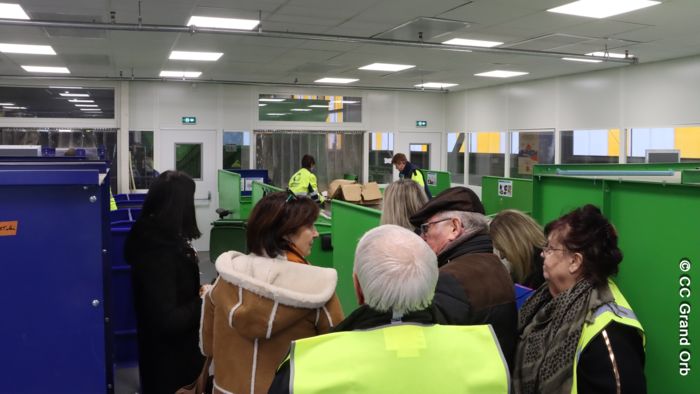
(141, 170)
(486, 155)
(528, 148)
(236, 150)
(685, 139)
(381, 150)
(309, 108)
(56, 102)
(455, 156)
(590, 146)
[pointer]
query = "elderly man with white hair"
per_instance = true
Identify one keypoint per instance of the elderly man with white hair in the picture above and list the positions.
(391, 343)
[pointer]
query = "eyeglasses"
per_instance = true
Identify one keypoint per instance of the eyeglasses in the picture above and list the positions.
(549, 250)
(426, 226)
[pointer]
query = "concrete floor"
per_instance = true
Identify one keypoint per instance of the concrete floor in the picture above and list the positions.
(126, 380)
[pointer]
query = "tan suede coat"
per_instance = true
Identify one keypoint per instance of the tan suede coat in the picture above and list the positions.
(257, 306)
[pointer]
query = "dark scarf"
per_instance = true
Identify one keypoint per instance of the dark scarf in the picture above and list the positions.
(479, 243)
(550, 328)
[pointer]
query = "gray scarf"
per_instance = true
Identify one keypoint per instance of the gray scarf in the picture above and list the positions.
(550, 328)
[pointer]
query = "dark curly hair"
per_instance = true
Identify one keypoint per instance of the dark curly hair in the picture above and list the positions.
(274, 218)
(585, 230)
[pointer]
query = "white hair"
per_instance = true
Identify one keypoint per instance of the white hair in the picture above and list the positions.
(396, 269)
(472, 222)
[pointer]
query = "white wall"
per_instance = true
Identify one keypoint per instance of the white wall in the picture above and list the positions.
(645, 95)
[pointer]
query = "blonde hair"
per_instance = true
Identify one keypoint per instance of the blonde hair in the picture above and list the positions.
(516, 235)
(402, 199)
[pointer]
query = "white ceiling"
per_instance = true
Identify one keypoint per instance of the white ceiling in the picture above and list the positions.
(665, 31)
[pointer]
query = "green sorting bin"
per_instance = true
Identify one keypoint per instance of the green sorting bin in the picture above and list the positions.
(226, 235)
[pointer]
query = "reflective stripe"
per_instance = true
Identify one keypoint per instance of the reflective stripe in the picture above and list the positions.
(619, 310)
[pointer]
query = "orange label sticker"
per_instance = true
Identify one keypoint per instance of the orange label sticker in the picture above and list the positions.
(8, 229)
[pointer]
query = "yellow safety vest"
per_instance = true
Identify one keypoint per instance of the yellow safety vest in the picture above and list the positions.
(618, 311)
(112, 202)
(299, 184)
(400, 358)
(418, 177)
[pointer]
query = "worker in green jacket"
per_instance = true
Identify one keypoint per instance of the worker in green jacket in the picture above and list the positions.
(303, 182)
(391, 343)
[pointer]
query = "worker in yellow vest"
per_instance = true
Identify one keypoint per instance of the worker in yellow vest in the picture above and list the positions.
(409, 171)
(391, 344)
(303, 182)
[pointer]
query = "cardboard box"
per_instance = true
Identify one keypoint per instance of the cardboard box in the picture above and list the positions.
(350, 191)
(371, 195)
(334, 187)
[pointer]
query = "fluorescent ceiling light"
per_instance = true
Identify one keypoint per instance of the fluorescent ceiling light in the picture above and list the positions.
(277, 114)
(501, 74)
(6, 104)
(575, 59)
(41, 69)
(66, 94)
(472, 43)
(435, 85)
(90, 109)
(12, 107)
(28, 49)
(336, 80)
(12, 11)
(80, 101)
(64, 130)
(86, 105)
(181, 74)
(318, 106)
(65, 87)
(274, 100)
(386, 67)
(611, 55)
(301, 109)
(602, 8)
(199, 56)
(223, 23)
(346, 102)
(261, 105)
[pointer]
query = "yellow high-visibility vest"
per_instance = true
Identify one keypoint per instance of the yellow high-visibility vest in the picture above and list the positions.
(299, 184)
(618, 311)
(400, 358)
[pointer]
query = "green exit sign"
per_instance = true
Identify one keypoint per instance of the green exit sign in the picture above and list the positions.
(189, 120)
(421, 123)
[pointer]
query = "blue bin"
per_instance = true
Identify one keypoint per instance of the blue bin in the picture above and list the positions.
(119, 235)
(119, 215)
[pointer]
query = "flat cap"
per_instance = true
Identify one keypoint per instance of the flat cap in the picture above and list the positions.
(453, 199)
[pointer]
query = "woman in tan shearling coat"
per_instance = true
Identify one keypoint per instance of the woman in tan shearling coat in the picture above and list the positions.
(264, 300)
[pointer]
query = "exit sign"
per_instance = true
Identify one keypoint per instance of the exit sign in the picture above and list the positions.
(189, 120)
(421, 123)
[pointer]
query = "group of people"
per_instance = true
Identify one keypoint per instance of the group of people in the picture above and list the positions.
(435, 288)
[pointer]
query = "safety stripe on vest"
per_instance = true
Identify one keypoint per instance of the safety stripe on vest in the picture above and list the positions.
(617, 309)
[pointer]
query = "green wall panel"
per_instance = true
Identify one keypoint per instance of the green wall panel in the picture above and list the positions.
(229, 185)
(554, 196)
(521, 198)
(443, 181)
(350, 222)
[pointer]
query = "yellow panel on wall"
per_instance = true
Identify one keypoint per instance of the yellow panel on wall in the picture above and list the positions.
(488, 142)
(688, 142)
(614, 142)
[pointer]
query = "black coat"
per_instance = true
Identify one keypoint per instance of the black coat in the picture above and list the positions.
(409, 170)
(165, 281)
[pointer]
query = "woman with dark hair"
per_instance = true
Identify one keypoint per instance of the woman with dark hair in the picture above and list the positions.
(578, 334)
(266, 299)
(303, 182)
(165, 281)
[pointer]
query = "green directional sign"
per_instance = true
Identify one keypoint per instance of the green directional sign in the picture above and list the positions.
(189, 120)
(421, 123)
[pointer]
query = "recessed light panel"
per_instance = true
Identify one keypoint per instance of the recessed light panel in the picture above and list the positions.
(301, 109)
(277, 114)
(80, 101)
(272, 100)
(435, 85)
(386, 67)
(336, 80)
(6, 104)
(472, 43)
(318, 106)
(198, 56)
(611, 55)
(13, 107)
(28, 49)
(223, 23)
(180, 74)
(602, 8)
(51, 70)
(501, 74)
(91, 109)
(66, 94)
(12, 11)
(575, 59)
(86, 105)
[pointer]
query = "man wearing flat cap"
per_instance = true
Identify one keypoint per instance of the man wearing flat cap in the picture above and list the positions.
(473, 287)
